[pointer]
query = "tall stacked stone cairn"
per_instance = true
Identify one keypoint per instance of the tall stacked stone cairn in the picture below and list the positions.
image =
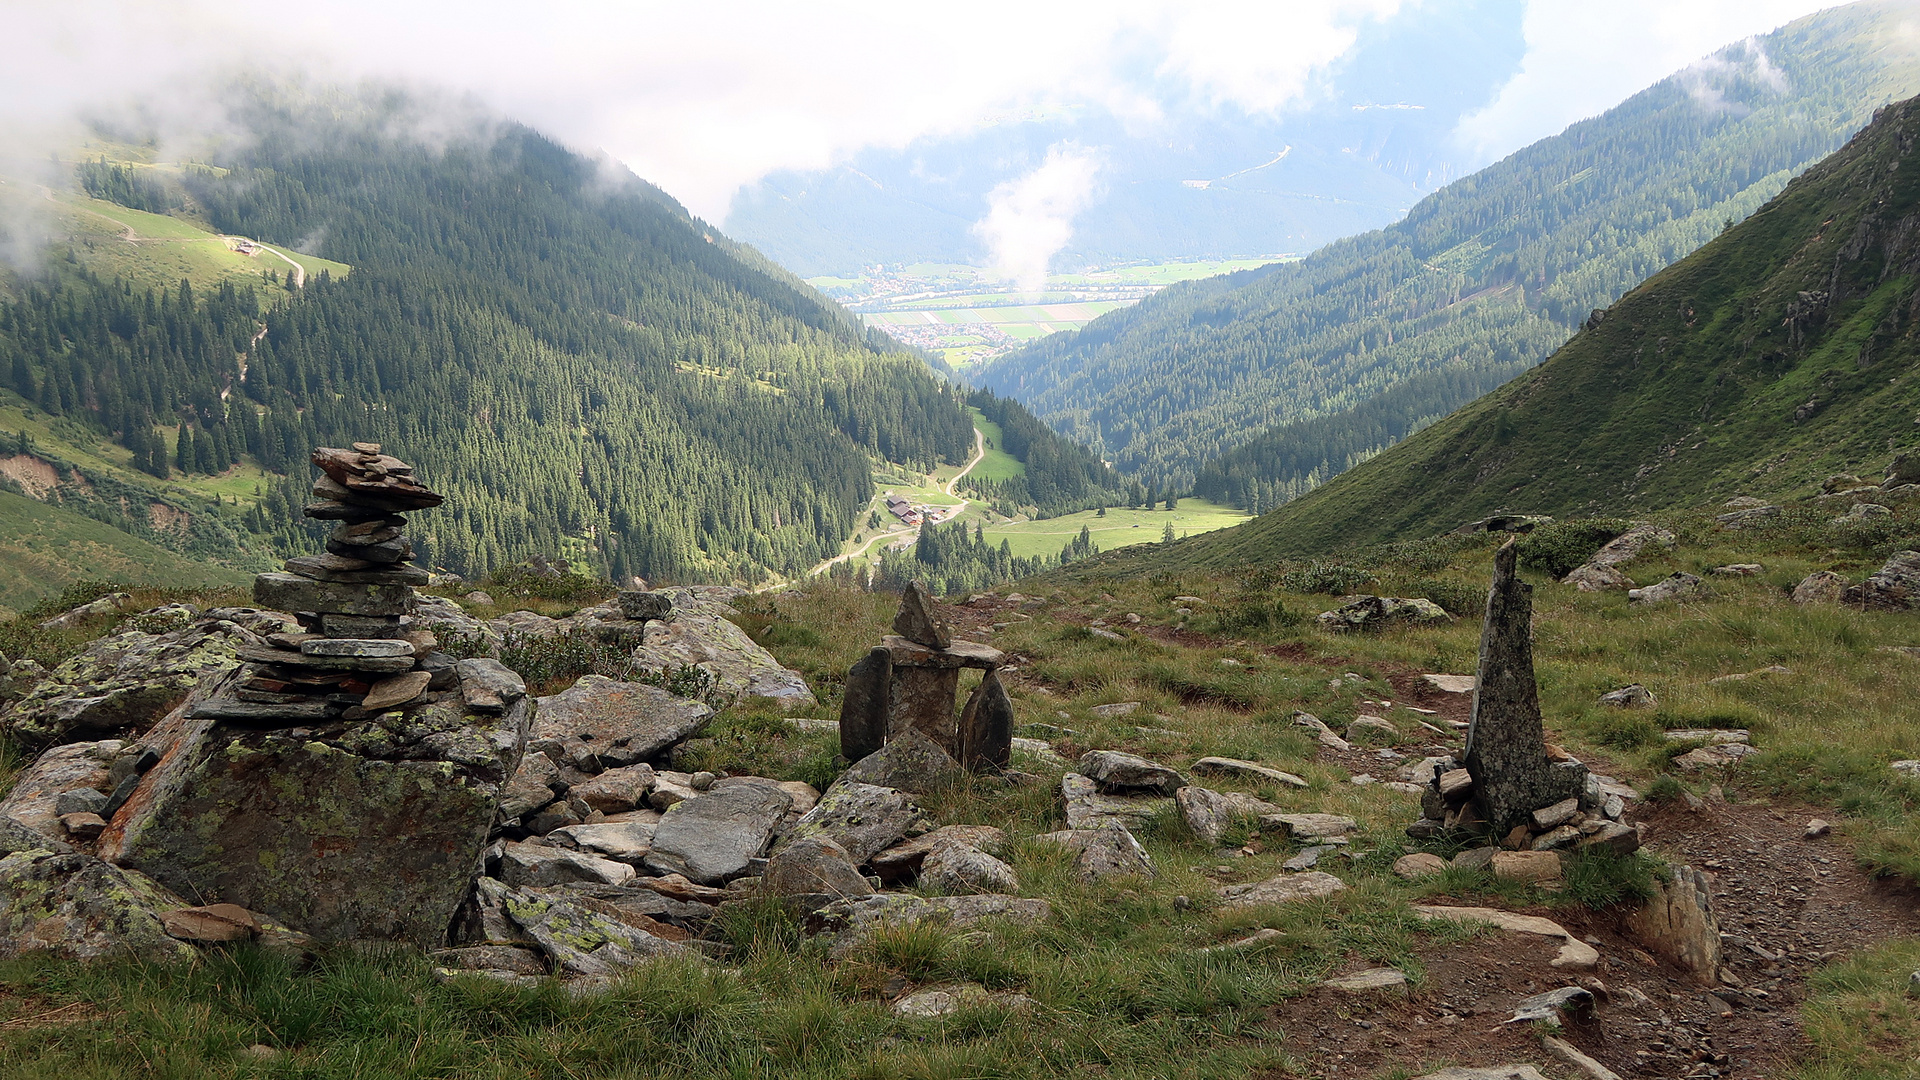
(1512, 786)
(910, 683)
(344, 777)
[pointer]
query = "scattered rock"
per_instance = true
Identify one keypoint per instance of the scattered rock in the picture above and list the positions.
(616, 790)
(1418, 865)
(1633, 696)
(852, 920)
(1370, 979)
(1480, 858)
(1322, 732)
(538, 864)
(1102, 853)
(956, 869)
(1862, 511)
(862, 818)
(813, 865)
(1533, 867)
(1372, 727)
(1893, 587)
(1568, 1053)
(1549, 1005)
(1743, 569)
(212, 924)
(1309, 885)
(1714, 757)
(1310, 827)
(622, 841)
(1820, 587)
(1574, 954)
(1817, 828)
(1308, 857)
(1495, 1072)
(740, 667)
(600, 723)
(1119, 773)
(903, 860)
(1117, 709)
(1601, 572)
(1210, 813)
(909, 761)
(583, 936)
(714, 838)
(76, 907)
(1679, 924)
(1451, 684)
(930, 1004)
(1710, 736)
(1376, 612)
(1679, 585)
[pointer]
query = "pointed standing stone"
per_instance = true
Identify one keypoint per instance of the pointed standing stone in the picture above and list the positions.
(863, 710)
(916, 621)
(986, 726)
(1506, 745)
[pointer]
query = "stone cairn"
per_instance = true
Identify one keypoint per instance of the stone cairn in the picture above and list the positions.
(1512, 786)
(910, 682)
(358, 655)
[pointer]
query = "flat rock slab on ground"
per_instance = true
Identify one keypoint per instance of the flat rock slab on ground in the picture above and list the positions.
(1088, 808)
(903, 860)
(852, 921)
(1286, 889)
(715, 837)
(1370, 979)
(1117, 773)
(1246, 770)
(1574, 954)
(1310, 827)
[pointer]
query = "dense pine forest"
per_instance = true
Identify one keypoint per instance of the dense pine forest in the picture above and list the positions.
(1367, 340)
(579, 364)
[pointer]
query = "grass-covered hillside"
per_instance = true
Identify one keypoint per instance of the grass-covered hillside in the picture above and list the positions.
(1152, 976)
(1395, 328)
(1781, 353)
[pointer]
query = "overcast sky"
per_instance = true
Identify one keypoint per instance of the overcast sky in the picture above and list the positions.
(703, 97)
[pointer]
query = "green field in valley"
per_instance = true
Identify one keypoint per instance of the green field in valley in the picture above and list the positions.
(996, 463)
(1119, 528)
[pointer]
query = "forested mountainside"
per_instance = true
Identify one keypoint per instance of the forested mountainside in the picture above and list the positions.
(581, 366)
(1478, 283)
(1785, 351)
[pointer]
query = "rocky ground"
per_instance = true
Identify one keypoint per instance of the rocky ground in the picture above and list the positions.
(1238, 845)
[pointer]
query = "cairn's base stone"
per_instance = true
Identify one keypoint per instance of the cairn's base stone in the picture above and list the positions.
(367, 833)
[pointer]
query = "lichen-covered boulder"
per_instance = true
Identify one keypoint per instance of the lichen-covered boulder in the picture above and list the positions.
(367, 829)
(581, 935)
(862, 818)
(1376, 612)
(600, 723)
(76, 907)
(1893, 587)
(910, 762)
(125, 682)
(739, 666)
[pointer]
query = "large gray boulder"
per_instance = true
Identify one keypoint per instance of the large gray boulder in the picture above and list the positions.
(955, 869)
(1893, 587)
(366, 829)
(714, 838)
(739, 666)
(540, 864)
(863, 819)
(600, 723)
(1820, 587)
(1099, 854)
(1679, 585)
(125, 682)
(582, 935)
(854, 920)
(910, 761)
(1602, 571)
(813, 866)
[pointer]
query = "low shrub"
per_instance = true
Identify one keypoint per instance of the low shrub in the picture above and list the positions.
(1558, 548)
(1333, 579)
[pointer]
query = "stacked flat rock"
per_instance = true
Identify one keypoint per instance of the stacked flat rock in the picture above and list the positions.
(356, 654)
(911, 680)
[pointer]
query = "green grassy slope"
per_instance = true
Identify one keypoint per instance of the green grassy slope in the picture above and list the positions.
(45, 548)
(1478, 283)
(1784, 351)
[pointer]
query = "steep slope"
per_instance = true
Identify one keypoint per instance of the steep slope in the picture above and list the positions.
(44, 548)
(1478, 283)
(587, 369)
(1784, 351)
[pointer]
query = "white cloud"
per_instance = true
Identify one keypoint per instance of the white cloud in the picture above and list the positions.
(699, 98)
(1030, 218)
(1583, 58)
